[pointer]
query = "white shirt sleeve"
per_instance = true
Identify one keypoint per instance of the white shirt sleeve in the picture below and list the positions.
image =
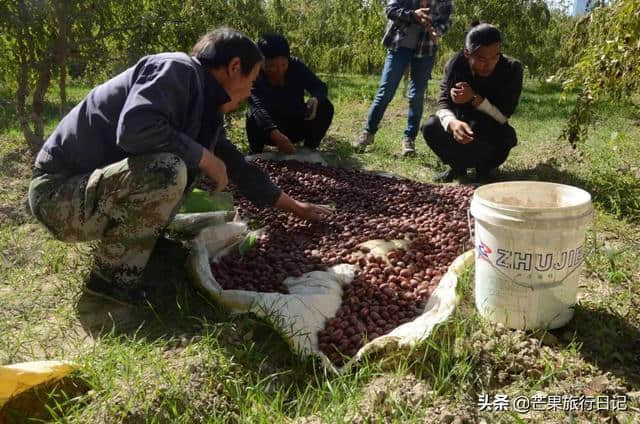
(492, 111)
(445, 116)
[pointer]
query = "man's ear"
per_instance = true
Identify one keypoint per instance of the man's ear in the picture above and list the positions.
(234, 67)
(466, 53)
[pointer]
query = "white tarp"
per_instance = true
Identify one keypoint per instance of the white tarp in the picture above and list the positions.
(316, 296)
(301, 155)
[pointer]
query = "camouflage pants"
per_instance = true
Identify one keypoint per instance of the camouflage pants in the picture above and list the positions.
(125, 205)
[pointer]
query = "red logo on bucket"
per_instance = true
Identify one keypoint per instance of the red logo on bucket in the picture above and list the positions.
(484, 250)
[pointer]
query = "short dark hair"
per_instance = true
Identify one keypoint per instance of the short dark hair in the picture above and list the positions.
(273, 45)
(216, 48)
(481, 34)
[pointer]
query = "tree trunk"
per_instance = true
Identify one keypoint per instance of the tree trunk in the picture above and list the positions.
(62, 50)
(32, 124)
(21, 94)
(25, 57)
(42, 85)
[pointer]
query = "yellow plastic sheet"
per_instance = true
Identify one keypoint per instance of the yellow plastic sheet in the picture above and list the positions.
(17, 378)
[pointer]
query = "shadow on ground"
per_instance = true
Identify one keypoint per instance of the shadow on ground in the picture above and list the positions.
(542, 172)
(607, 341)
(338, 152)
(15, 162)
(37, 403)
(180, 313)
(175, 307)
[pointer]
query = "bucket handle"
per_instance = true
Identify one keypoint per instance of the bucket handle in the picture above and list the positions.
(526, 286)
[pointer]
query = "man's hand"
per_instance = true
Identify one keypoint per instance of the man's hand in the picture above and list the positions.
(303, 210)
(433, 35)
(461, 93)
(312, 212)
(282, 142)
(214, 168)
(461, 131)
(422, 16)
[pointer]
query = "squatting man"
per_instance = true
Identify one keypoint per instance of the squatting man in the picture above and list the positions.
(119, 163)
(480, 90)
(277, 113)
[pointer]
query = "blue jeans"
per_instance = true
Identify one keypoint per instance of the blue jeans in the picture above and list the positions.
(394, 66)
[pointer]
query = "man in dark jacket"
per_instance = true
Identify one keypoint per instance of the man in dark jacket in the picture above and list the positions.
(278, 115)
(479, 92)
(117, 166)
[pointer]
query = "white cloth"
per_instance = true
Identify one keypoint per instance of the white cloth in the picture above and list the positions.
(492, 111)
(312, 109)
(445, 116)
(315, 296)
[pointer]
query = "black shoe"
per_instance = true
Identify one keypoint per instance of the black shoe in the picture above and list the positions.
(311, 146)
(164, 244)
(485, 175)
(128, 296)
(449, 175)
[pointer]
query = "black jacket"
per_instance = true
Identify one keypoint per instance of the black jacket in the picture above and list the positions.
(502, 88)
(165, 103)
(270, 104)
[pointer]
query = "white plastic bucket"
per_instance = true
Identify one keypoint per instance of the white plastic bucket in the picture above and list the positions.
(529, 248)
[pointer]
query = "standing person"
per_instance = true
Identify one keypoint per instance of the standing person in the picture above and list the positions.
(411, 37)
(479, 92)
(117, 166)
(277, 113)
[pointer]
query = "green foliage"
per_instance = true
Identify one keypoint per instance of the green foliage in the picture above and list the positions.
(247, 243)
(201, 201)
(42, 40)
(333, 35)
(608, 65)
(525, 25)
(616, 275)
(152, 26)
(614, 175)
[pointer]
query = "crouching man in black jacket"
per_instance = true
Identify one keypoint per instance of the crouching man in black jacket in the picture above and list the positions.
(479, 92)
(278, 115)
(117, 166)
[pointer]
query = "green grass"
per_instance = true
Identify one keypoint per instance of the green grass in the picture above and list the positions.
(188, 361)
